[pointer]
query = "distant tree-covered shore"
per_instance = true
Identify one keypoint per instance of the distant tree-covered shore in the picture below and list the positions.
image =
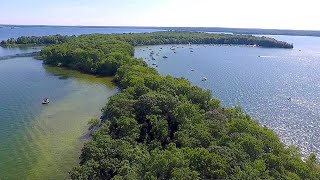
(36, 40)
(158, 38)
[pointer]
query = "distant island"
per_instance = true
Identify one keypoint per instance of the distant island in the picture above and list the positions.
(35, 40)
(247, 31)
(160, 127)
(257, 31)
(158, 38)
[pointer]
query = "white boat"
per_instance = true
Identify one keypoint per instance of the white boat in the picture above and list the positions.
(165, 56)
(45, 101)
(204, 79)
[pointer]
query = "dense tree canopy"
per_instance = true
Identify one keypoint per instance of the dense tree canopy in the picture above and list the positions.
(174, 37)
(157, 38)
(42, 40)
(96, 54)
(160, 127)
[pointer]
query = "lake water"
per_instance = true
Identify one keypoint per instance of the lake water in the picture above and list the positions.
(7, 32)
(261, 85)
(44, 141)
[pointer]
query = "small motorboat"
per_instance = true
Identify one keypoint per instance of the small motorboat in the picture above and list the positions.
(204, 79)
(165, 56)
(45, 101)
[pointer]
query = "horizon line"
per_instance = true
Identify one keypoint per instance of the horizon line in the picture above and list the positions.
(105, 26)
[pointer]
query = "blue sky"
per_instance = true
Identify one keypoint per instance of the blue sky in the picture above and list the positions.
(282, 14)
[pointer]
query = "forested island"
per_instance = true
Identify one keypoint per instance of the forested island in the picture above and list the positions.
(257, 31)
(36, 40)
(245, 31)
(160, 127)
(157, 38)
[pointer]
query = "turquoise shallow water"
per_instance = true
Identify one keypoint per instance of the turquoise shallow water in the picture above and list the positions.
(258, 79)
(44, 141)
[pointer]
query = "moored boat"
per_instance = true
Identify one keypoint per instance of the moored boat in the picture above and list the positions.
(45, 101)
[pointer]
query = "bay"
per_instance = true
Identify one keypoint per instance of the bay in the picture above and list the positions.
(278, 87)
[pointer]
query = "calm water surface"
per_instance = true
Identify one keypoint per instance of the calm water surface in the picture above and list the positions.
(259, 79)
(44, 141)
(7, 32)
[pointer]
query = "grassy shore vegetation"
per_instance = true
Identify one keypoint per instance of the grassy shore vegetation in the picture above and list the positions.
(160, 127)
